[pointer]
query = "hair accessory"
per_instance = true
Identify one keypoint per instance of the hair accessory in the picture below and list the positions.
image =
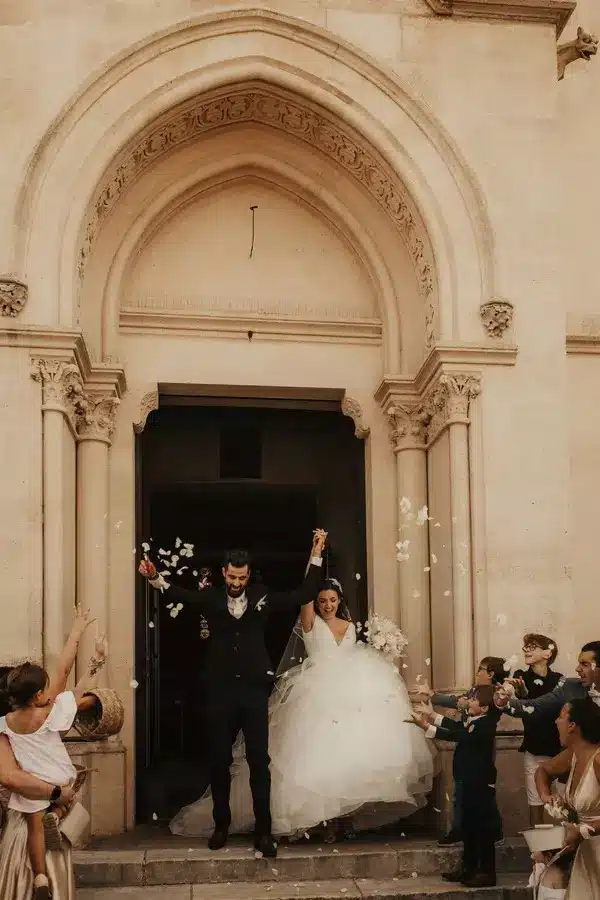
(336, 584)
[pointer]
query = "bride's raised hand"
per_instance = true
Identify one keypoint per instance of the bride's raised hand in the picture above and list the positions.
(319, 541)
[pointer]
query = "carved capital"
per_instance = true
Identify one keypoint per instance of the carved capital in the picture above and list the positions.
(353, 410)
(449, 400)
(497, 316)
(13, 296)
(96, 418)
(148, 404)
(62, 386)
(408, 426)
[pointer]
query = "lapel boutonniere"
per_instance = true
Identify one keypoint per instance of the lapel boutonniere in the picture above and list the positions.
(261, 603)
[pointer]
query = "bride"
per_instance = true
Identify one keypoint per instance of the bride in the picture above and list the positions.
(339, 742)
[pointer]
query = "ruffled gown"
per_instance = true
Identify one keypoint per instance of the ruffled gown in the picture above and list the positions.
(339, 745)
(584, 883)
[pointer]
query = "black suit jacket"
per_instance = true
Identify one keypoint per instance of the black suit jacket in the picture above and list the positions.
(237, 652)
(473, 762)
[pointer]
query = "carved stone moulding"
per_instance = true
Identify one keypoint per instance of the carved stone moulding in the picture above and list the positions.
(408, 425)
(353, 410)
(13, 296)
(449, 400)
(148, 404)
(275, 108)
(497, 316)
(545, 12)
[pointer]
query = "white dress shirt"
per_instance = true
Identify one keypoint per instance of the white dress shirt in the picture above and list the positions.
(432, 729)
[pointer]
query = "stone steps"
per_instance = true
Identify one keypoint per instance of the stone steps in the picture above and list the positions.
(510, 887)
(185, 862)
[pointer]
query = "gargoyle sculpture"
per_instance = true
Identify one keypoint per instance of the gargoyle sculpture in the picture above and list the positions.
(583, 47)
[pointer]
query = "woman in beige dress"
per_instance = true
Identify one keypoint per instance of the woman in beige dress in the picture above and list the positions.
(579, 730)
(16, 876)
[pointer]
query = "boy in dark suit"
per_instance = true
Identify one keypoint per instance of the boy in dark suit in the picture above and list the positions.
(474, 767)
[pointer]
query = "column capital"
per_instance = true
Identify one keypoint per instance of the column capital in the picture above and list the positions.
(448, 401)
(13, 296)
(62, 386)
(408, 425)
(96, 416)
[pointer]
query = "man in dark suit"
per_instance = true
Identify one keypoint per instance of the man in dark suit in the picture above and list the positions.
(550, 704)
(239, 677)
(473, 765)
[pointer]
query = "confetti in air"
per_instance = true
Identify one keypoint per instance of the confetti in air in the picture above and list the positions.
(150, 624)
(428, 661)
(433, 558)
(422, 516)
(528, 709)
(405, 506)
(447, 593)
(501, 620)
(133, 684)
(358, 576)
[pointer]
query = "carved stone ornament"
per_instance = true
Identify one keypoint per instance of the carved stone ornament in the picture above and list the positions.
(283, 112)
(408, 426)
(497, 316)
(62, 386)
(583, 47)
(449, 400)
(96, 418)
(13, 296)
(353, 410)
(148, 404)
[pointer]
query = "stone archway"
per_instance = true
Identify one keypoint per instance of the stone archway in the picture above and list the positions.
(123, 162)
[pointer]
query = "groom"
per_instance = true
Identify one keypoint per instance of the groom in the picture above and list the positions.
(239, 676)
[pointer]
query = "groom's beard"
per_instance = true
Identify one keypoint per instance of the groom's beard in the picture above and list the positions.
(235, 592)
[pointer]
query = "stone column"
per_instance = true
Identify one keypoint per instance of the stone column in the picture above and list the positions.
(448, 406)
(95, 427)
(408, 436)
(62, 393)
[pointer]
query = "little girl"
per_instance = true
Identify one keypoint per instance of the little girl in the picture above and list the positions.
(42, 709)
(550, 878)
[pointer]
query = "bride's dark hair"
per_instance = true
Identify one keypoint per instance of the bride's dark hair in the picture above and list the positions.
(332, 584)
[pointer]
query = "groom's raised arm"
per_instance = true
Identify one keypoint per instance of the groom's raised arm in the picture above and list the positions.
(308, 590)
(177, 594)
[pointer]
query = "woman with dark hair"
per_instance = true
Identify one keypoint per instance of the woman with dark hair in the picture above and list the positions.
(579, 731)
(340, 740)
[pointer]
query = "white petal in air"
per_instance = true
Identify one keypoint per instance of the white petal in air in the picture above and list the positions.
(177, 543)
(528, 709)
(174, 613)
(146, 547)
(538, 681)
(501, 620)
(437, 525)
(162, 552)
(433, 558)
(427, 569)
(422, 515)
(150, 624)
(358, 576)
(133, 684)
(405, 506)
(446, 593)
(428, 661)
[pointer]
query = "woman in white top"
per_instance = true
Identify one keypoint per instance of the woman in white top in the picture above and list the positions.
(42, 709)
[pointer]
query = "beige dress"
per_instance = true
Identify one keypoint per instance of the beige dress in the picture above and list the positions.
(16, 877)
(585, 877)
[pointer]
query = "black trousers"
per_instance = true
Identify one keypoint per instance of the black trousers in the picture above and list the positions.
(233, 708)
(480, 819)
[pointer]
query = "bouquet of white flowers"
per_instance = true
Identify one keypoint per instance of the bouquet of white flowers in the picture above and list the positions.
(384, 635)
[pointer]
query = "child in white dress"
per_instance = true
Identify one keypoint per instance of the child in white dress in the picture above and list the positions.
(42, 709)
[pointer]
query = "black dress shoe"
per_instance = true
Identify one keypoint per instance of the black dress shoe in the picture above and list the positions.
(453, 837)
(455, 877)
(265, 845)
(218, 839)
(480, 879)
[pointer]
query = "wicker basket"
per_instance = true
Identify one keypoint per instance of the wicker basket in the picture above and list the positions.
(105, 720)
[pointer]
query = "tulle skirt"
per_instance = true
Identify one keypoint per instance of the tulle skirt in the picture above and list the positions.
(16, 876)
(339, 745)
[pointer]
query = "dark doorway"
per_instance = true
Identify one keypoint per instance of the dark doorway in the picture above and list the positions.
(219, 477)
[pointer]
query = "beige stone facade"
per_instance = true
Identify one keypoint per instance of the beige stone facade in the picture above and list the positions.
(421, 192)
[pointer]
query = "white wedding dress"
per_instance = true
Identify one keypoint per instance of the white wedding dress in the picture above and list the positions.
(339, 745)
